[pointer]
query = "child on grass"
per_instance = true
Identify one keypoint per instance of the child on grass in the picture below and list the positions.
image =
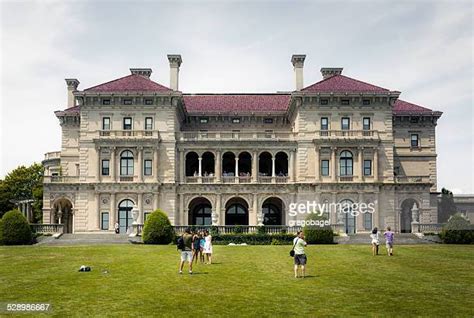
(389, 241)
(375, 241)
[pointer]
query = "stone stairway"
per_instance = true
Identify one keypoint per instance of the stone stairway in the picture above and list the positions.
(400, 239)
(89, 239)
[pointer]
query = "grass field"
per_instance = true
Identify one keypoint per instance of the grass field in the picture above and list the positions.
(343, 280)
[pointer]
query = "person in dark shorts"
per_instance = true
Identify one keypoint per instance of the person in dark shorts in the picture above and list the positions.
(196, 246)
(300, 256)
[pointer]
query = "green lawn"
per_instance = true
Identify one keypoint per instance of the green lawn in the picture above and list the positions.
(344, 280)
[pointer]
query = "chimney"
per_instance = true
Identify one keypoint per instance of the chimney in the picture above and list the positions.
(72, 84)
(330, 71)
(145, 72)
(298, 62)
(175, 63)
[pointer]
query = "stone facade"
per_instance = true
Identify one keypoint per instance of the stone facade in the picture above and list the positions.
(239, 158)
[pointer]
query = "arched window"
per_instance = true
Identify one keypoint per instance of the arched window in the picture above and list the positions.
(346, 215)
(125, 218)
(345, 163)
(202, 215)
(126, 163)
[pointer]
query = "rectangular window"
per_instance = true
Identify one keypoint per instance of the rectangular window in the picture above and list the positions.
(147, 170)
(127, 101)
(268, 120)
(148, 101)
(324, 123)
(344, 102)
(367, 167)
(414, 141)
(148, 123)
(325, 167)
(203, 120)
(145, 216)
(106, 102)
(366, 102)
(106, 123)
(366, 123)
(127, 123)
(105, 167)
(324, 101)
(235, 120)
(104, 221)
(345, 123)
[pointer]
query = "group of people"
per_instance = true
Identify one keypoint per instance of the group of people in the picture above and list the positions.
(197, 245)
(376, 242)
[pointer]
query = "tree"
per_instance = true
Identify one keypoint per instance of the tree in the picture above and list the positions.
(20, 184)
(446, 207)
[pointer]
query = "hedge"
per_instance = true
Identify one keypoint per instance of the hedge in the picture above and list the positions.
(14, 229)
(259, 239)
(158, 229)
(315, 234)
(458, 230)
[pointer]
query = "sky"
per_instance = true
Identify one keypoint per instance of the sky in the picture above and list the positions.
(422, 48)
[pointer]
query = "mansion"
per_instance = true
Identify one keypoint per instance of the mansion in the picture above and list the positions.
(240, 159)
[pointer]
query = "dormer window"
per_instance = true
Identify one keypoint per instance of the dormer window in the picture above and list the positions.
(106, 101)
(344, 102)
(366, 102)
(203, 120)
(127, 101)
(268, 120)
(236, 120)
(324, 101)
(148, 101)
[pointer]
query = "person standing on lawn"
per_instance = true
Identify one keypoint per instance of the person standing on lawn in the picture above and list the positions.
(300, 256)
(187, 251)
(196, 246)
(389, 241)
(208, 247)
(375, 241)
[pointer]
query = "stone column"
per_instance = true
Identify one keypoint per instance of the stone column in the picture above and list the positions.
(97, 215)
(155, 163)
(219, 210)
(112, 164)
(182, 165)
(273, 169)
(360, 164)
(140, 164)
(180, 219)
(333, 164)
(200, 169)
(254, 167)
(376, 164)
(317, 165)
(236, 167)
(254, 220)
(156, 198)
(291, 168)
(99, 172)
(112, 212)
(140, 208)
(218, 162)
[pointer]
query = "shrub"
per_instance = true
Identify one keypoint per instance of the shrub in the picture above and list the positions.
(261, 230)
(315, 234)
(14, 229)
(458, 230)
(254, 239)
(158, 229)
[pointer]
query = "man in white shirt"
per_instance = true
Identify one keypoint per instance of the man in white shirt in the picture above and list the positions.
(300, 257)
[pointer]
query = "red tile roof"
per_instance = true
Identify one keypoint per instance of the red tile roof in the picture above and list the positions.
(402, 107)
(236, 103)
(343, 84)
(129, 83)
(75, 110)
